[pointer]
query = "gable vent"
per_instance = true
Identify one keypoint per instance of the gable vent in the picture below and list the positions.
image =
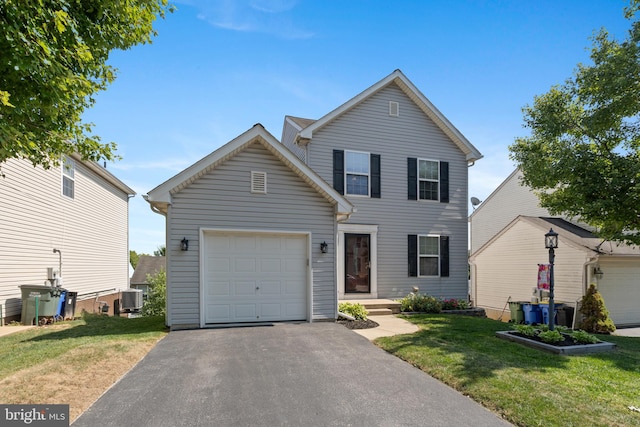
(259, 182)
(394, 109)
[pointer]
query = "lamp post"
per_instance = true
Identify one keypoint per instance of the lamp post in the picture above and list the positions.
(551, 243)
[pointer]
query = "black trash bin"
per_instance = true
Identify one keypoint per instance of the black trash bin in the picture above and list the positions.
(70, 305)
(565, 316)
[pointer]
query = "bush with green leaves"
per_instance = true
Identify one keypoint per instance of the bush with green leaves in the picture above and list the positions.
(353, 309)
(551, 336)
(454, 304)
(157, 295)
(526, 330)
(584, 337)
(595, 314)
(420, 303)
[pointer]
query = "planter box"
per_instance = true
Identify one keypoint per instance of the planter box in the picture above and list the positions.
(567, 350)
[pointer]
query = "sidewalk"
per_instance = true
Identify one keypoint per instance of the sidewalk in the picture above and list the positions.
(389, 325)
(6, 330)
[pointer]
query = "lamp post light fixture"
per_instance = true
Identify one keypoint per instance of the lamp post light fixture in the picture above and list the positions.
(551, 243)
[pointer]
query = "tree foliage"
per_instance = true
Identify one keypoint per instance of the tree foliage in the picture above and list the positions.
(53, 58)
(161, 251)
(157, 295)
(595, 314)
(583, 155)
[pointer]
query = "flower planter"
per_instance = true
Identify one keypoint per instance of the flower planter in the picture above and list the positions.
(567, 350)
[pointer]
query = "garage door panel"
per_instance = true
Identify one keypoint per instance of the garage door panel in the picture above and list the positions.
(620, 289)
(217, 288)
(253, 278)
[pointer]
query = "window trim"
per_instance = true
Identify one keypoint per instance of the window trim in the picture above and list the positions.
(68, 164)
(347, 173)
(420, 256)
(437, 181)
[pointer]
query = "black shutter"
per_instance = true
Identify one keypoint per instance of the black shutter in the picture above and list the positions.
(375, 175)
(338, 171)
(413, 255)
(412, 178)
(444, 256)
(444, 182)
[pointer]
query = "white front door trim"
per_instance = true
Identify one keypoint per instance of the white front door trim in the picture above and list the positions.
(372, 230)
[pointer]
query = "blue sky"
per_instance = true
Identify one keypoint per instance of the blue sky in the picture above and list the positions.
(218, 67)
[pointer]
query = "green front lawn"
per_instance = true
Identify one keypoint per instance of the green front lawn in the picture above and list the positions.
(527, 387)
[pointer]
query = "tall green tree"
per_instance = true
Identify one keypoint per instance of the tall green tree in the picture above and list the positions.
(583, 155)
(161, 251)
(53, 60)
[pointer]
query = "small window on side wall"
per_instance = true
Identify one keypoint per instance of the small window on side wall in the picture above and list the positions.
(68, 178)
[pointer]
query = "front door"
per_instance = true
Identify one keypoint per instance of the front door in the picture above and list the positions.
(357, 263)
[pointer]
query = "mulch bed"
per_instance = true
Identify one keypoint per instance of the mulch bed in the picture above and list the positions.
(358, 324)
(568, 340)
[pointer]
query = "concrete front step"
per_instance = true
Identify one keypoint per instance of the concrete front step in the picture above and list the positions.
(378, 307)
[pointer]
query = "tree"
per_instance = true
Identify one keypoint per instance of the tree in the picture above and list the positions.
(583, 155)
(53, 63)
(162, 251)
(134, 257)
(156, 302)
(595, 314)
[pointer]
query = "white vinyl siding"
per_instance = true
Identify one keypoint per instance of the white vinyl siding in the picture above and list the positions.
(369, 128)
(220, 200)
(428, 256)
(357, 173)
(91, 231)
(508, 268)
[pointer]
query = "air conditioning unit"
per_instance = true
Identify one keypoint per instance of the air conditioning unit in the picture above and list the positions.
(131, 300)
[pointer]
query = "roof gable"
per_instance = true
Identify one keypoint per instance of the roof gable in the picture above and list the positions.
(160, 197)
(308, 127)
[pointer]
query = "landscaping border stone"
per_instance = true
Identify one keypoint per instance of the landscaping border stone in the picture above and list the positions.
(599, 347)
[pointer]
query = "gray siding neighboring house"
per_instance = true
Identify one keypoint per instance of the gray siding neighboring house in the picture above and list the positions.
(366, 202)
(508, 244)
(83, 212)
(147, 266)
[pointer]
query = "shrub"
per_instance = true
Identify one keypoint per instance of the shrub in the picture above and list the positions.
(353, 309)
(156, 304)
(584, 337)
(420, 303)
(596, 316)
(454, 304)
(526, 330)
(551, 336)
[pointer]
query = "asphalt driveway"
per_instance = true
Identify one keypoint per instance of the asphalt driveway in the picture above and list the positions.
(319, 374)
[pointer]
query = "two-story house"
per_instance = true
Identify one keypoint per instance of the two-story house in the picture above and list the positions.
(368, 201)
(507, 245)
(81, 211)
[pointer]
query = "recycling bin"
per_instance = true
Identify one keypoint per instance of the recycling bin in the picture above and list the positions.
(544, 308)
(517, 315)
(532, 313)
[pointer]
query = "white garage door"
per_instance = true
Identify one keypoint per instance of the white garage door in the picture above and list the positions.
(255, 277)
(620, 289)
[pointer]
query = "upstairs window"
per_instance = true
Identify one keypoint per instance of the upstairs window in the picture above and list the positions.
(428, 179)
(357, 173)
(68, 177)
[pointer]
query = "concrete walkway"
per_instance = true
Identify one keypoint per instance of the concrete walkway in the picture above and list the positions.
(389, 326)
(6, 330)
(627, 332)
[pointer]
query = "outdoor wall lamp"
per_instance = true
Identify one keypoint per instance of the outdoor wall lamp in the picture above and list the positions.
(324, 247)
(598, 272)
(184, 244)
(551, 243)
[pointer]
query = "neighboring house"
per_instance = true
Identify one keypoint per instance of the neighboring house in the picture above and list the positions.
(368, 201)
(147, 266)
(507, 241)
(81, 210)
